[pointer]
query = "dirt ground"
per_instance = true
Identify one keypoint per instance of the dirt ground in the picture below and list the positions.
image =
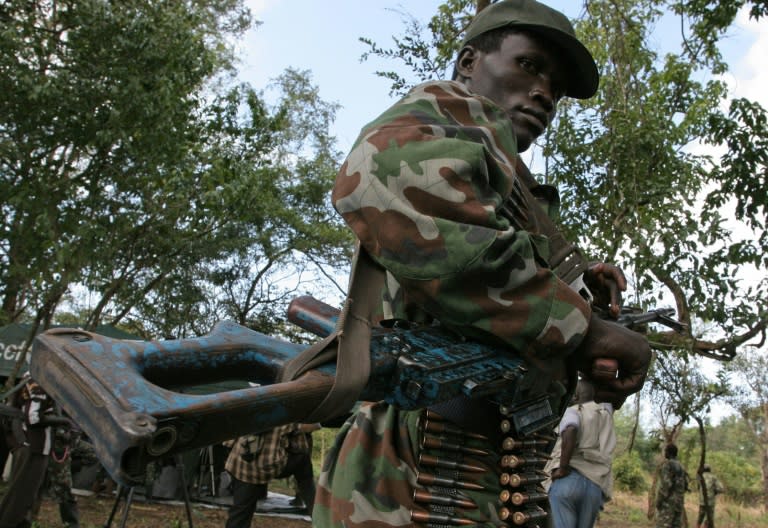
(625, 511)
(95, 511)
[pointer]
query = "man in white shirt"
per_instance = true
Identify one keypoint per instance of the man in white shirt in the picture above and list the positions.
(580, 467)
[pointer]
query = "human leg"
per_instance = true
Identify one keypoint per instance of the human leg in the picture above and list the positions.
(27, 476)
(564, 496)
(300, 466)
(245, 497)
(590, 503)
(60, 488)
(69, 513)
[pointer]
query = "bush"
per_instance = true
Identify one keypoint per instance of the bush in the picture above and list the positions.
(628, 474)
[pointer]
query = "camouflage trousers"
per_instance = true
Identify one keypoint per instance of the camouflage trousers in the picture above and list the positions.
(60, 469)
(670, 516)
(385, 469)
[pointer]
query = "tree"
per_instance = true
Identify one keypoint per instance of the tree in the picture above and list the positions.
(131, 168)
(98, 103)
(750, 399)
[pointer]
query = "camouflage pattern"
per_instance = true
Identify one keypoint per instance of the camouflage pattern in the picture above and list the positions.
(369, 476)
(423, 189)
(670, 494)
(714, 488)
(67, 446)
(426, 189)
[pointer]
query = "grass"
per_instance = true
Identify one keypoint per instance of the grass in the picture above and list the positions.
(630, 510)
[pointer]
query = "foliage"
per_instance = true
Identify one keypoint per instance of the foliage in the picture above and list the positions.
(740, 476)
(645, 447)
(132, 170)
(733, 435)
(680, 391)
(628, 473)
(750, 399)
(426, 55)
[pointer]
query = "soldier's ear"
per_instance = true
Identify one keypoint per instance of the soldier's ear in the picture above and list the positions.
(466, 61)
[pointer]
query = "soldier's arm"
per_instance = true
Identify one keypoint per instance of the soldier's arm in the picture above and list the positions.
(425, 205)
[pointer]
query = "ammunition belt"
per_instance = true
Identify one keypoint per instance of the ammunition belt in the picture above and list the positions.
(451, 468)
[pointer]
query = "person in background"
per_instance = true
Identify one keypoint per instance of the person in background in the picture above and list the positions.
(670, 490)
(709, 484)
(68, 444)
(256, 459)
(31, 450)
(581, 462)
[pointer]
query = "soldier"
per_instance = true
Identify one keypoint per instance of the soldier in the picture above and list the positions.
(709, 484)
(438, 197)
(670, 490)
(67, 445)
(31, 449)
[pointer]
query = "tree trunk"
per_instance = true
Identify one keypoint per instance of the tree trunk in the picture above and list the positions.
(636, 423)
(706, 499)
(764, 468)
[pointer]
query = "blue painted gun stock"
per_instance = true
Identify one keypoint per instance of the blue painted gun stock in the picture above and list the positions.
(129, 396)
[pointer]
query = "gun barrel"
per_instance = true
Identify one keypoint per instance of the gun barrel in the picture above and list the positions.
(313, 315)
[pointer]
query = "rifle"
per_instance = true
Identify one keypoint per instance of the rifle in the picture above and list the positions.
(128, 396)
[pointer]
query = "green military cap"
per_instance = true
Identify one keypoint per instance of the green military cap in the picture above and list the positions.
(550, 24)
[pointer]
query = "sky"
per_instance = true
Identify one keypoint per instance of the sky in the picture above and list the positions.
(323, 37)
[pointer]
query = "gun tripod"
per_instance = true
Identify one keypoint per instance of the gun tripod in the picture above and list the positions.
(127, 493)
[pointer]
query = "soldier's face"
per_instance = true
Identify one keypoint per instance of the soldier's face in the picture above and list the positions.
(525, 77)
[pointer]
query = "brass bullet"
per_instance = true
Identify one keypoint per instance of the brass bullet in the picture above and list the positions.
(433, 416)
(518, 499)
(427, 479)
(427, 497)
(439, 518)
(510, 444)
(516, 461)
(520, 518)
(433, 442)
(515, 480)
(446, 428)
(433, 461)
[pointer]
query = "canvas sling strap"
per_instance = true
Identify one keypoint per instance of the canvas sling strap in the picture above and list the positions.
(349, 344)
(565, 259)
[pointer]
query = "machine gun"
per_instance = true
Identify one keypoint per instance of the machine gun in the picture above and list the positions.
(634, 318)
(131, 399)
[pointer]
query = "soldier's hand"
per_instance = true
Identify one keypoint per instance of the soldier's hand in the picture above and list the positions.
(615, 359)
(606, 282)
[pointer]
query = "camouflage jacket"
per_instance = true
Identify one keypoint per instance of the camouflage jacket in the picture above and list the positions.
(713, 486)
(672, 485)
(426, 190)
